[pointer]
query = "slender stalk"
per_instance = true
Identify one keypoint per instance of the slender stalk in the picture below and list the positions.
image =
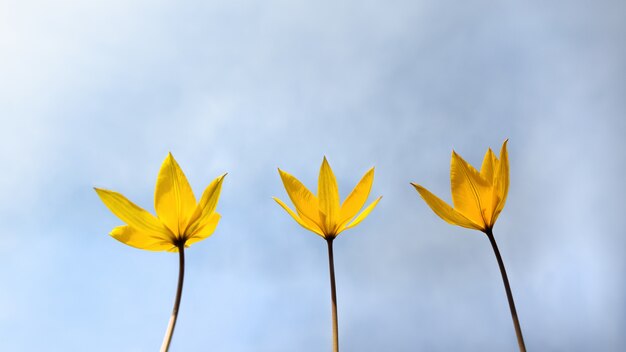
(333, 294)
(509, 295)
(179, 292)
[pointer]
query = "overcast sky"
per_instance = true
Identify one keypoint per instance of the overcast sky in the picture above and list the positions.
(95, 93)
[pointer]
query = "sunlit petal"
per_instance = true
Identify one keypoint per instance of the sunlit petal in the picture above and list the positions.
(204, 229)
(295, 216)
(174, 200)
(207, 204)
(139, 239)
(133, 215)
(305, 202)
(357, 198)
(501, 186)
(487, 167)
(363, 214)
(328, 194)
(471, 195)
(445, 211)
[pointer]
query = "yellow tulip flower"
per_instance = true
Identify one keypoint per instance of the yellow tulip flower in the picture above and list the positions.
(478, 197)
(180, 221)
(324, 214)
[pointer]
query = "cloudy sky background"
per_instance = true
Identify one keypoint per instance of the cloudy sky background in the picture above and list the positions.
(96, 93)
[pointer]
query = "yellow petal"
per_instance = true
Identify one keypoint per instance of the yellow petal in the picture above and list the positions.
(204, 230)
(444, 211)
(357, 198)
(211, 194)
(138, 239)
(501, 185)
(328, 195)
(173, 198)
(471, 195)
(133, 215)
(207, 204)
(363, 214)
(309, 226)
(487, 167)
(305, 202)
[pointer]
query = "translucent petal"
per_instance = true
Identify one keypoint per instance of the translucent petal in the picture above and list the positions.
(133, 215)
(444, 211)
(139, 239)
(487, 167)
(173, 198)
(308, 226)
(357, 198)
(305, 202)
(501, 185)
(328, 195)
(205, 229)
(363, 214)
(207, 204)
(471, 195)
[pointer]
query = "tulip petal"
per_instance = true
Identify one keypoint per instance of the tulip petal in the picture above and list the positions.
(501, 186)
(305, 202)
(207, 204)
(211, 194)
(328, 194)
(363, 214)
(138, 239)
(357, 198)
(471, 195)
(204, 230)
(309, 226)
(133, 215)
(173, 198)
(445, 211)
(488, 166)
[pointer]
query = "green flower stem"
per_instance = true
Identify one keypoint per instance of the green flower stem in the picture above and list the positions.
(179, 292)
(509, 295)
(333, 294)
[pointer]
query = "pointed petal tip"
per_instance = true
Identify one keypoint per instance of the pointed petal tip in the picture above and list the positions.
(100, 190)
(504, 150)
(417, 187)
(454, 155)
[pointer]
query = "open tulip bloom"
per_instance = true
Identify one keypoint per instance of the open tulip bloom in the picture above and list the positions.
(180, 221)
(326, 216)
(478, 198)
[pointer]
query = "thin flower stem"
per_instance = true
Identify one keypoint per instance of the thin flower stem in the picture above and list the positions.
(179, 292)
(509, 295)
(333, 294)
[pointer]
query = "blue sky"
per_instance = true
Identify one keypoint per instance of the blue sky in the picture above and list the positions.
(96, 93)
